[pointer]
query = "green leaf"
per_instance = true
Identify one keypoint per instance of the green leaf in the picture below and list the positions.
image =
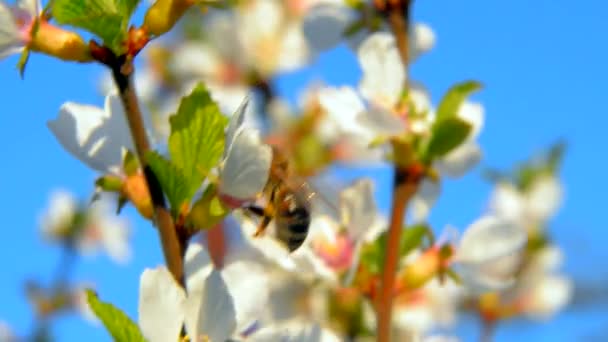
(171, 181)
(130, 164)
(449, 105)
(118, 324)
(196, 142)
(209, 210)
(22, 63)
(372, 255)
(353, 28)
(454, 276)
(109, 183)
(447, 134)
(555, 156)
(108, 19)
(412, 238)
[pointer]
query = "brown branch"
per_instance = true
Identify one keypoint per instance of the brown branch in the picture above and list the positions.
(172, 244)
(405, 183)
(398, 18)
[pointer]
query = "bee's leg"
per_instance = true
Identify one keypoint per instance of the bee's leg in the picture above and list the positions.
(259, 211)
(264, 214)
(262, 226)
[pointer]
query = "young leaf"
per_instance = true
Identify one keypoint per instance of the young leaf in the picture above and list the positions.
(196, 142)
(118, 324)
(22, 63)
(449, 105)
(171, 180)
(208, 210)
(412, 238)
(108, 19)
(447, 135)
(372, 255)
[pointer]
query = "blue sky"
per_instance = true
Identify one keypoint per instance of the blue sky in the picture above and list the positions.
(543, 64)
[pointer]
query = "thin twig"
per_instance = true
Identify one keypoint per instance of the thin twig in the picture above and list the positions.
(173, 246)
(405, 183)
(398, 18)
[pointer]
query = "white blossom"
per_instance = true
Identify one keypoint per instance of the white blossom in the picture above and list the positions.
(219, 304)
(16, 23)
(326, 23)
(489, 253)
(246, 163)
(98, 227)
(97, 137)
(530, 207)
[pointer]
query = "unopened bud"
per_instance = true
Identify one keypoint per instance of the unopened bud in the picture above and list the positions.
(162, 16)
(422, 270)
(60, 43)
(135, 189)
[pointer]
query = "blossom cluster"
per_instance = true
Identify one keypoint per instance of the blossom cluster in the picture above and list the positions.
(268, 253)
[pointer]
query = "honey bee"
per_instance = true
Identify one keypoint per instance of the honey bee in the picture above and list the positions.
(288, 204)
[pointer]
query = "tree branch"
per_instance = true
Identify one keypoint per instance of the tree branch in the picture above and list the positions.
(405, 185)
(405, 181)
(173, 246)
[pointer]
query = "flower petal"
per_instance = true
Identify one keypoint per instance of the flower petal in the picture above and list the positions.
(489, 252)
(342, 105)
(10, 38)
(96, 137)
(248, 285)
(550, 295)
(381, 121)
(357, 208)
(422, 39)
(544, 197)
(460, 160)
(423, 201)
(490, 237)
(234, 125)
(31, 7)
(473, 113)
(197, 266)
(245, 170)
(324, 25)
(160, 305)
(506, 201)
(210, 310)
(59, 215)
(383, 73)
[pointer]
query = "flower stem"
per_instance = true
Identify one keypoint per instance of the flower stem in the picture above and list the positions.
(405, 185)
(173, 246)
(405, 182)
(398, 18)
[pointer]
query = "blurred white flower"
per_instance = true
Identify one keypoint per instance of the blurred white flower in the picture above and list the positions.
(296, 331)
(17, 22)
(219, 304)
(542, 292)
(384, 74)
(6, 334)
(87, 229)
(246, 163)
(489, 253)
(531, 207)
(432, 306)
(97, 137)
(456, 163)
(326, 23)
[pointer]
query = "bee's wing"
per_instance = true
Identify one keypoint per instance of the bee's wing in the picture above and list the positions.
(317, 196)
